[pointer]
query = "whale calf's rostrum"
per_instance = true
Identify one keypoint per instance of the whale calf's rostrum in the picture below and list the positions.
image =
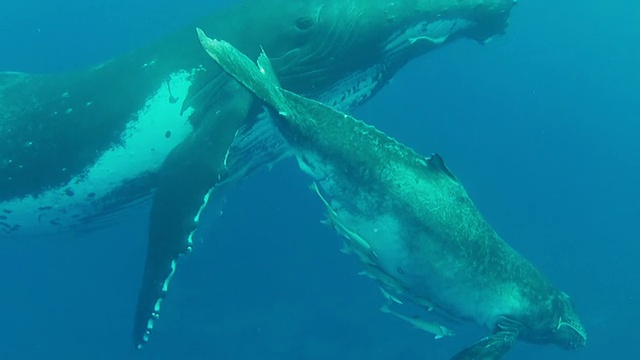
(164, 124)
(411, 222)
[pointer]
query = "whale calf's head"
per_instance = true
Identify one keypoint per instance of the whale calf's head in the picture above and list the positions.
(559, 325)
(569, 332)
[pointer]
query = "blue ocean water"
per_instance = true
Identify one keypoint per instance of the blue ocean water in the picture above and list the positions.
(541, 125)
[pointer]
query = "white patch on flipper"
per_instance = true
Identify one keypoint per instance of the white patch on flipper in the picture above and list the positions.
(167, 281)
(156, 307)
(165, 284)
(143, 149)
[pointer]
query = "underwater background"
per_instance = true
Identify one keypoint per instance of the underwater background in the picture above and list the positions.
(542, 126)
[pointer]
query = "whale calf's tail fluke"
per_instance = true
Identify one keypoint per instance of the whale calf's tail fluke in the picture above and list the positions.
(260, 80)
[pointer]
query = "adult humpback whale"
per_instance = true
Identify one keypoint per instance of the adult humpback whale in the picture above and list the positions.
(411, 221)
(165, 122)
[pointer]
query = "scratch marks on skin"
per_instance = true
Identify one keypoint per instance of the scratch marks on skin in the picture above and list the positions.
(150, 63)
(156, 307)
(435, 32)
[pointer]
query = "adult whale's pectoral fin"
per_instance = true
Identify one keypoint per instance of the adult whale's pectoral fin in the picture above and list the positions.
(493, 347)
(188, 178)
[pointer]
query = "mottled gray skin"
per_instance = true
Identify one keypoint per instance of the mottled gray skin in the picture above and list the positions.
(417, 230)
(320, 48)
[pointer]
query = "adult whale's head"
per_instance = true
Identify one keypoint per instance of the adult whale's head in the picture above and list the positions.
(343, 51)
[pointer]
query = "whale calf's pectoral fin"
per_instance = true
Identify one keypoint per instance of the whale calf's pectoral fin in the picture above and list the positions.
(493, 347)
(188, 178)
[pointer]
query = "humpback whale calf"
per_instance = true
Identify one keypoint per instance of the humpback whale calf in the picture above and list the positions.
(411, 222)
(165, 124)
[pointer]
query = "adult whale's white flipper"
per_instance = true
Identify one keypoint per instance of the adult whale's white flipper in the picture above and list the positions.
(187, 182)
(425, 240)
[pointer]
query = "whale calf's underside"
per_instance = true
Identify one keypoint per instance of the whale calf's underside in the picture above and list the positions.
(165, 124)
(411, 222)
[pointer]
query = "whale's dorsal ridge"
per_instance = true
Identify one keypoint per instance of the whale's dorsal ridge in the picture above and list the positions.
(436, 162)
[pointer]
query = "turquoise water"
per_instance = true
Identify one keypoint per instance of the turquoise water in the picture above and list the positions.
(541, 125)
